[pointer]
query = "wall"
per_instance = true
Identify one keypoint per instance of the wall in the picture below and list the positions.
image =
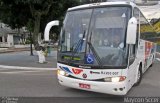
(10, 40)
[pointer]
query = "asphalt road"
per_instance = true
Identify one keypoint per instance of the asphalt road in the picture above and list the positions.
(43, 83)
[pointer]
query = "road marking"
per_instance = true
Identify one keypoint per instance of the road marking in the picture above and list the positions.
(14, 72)
(2, 69)
(25, 68)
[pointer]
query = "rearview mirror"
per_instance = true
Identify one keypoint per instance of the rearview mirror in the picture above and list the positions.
(132, 31)
(48, 27)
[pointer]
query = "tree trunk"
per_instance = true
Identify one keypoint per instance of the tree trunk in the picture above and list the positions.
(38, 48)
(36, 29)
(37, 16)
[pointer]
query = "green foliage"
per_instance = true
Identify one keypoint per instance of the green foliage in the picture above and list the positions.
(30, 25)
(34, 14)
(28, 41)
(15, 15)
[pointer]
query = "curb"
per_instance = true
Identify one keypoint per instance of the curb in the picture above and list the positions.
(27, 68)
(6, 51)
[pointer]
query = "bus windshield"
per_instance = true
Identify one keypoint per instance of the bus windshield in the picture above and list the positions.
(95, 36)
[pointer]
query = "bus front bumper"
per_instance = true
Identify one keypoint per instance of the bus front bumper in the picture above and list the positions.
(115, 88)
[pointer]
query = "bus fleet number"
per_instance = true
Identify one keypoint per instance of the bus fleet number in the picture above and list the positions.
(109, 73)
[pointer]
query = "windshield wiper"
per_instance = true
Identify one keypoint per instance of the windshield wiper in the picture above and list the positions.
(79, 43)
(95, 53)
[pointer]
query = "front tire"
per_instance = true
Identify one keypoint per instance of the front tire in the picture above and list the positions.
(139, 76)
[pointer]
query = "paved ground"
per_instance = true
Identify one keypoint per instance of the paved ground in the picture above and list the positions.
(24, 59)
(43, 83)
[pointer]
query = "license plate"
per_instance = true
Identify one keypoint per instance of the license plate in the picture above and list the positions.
(86, 86)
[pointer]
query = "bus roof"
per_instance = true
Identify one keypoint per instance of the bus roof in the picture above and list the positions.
(103, 4)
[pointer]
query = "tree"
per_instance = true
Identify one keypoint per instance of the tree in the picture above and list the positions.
(57, 12)
(20, 12)
(33, 14)
(15, 15)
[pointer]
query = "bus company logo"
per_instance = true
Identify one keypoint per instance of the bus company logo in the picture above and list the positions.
(84, 75)
(93, 72)
(66, 69)
(77, 71)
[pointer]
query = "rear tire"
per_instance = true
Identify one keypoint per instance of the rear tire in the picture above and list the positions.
(139, 76)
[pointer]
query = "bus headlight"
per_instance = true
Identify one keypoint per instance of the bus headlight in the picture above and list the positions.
(115, 79)
(61, 72)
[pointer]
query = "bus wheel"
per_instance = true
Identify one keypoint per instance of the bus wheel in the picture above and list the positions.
(139, 76)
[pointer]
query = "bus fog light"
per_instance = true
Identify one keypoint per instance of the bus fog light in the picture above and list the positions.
(121, 89)
(115, 89)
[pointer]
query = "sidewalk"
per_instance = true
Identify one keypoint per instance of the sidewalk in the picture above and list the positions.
(23, 59)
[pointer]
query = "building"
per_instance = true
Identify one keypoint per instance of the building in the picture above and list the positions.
(10, 37)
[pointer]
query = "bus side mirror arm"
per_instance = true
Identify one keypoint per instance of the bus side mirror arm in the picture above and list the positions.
(48, 27)
(132, 31)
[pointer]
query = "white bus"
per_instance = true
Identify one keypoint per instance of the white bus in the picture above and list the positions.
(103, 47)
